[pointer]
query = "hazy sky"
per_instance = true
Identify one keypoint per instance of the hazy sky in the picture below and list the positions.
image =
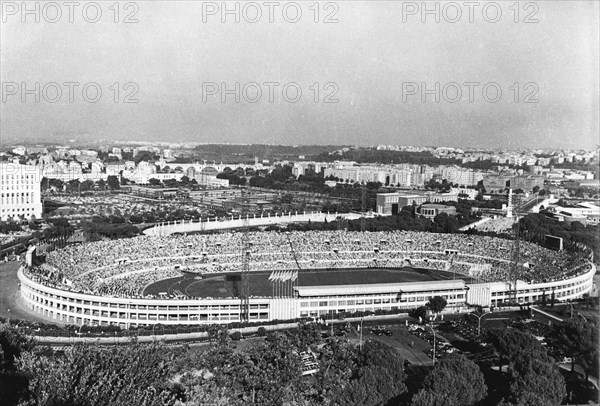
(375, 58)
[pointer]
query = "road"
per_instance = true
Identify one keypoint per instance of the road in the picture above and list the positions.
(10, 306)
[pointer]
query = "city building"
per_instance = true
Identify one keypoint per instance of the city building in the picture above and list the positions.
(430, 210)
(584, 212)
(392, 203)
(20, 191)
(461, 176)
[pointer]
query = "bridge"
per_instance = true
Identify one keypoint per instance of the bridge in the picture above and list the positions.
(209, 168)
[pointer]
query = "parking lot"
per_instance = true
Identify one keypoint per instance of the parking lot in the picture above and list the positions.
(457, 333)
(412, 348)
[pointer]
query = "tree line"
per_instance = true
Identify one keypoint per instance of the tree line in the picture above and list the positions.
(268, 370)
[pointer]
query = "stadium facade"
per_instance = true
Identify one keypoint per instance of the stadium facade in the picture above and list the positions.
(303, 301)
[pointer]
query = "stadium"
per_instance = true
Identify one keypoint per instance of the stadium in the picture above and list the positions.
(199, 279)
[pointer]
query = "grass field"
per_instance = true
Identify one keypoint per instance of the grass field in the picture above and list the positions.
(229, 284)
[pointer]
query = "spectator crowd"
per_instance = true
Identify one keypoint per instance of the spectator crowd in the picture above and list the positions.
(123, 268)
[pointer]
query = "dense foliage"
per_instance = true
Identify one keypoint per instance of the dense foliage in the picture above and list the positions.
(454, 381)
(92, 375)
(266, 371)
(579, 341)
(533, 376)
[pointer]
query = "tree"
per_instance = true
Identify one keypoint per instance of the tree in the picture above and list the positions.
(12, 344)
(73, 186)
(305, 335)
(113, 182)
(136, 218)
(379, 378)
(145, 156)
(61, 228)
(218, 333)
(170, 183)
(154, 182)
(578, 340)
(443, 223)
(418, 313)
(436, 304)
(535, 381)
(9, 226)
(87, 185)
(93, 375)
(454, 381)
(510, 343)
(267, 372)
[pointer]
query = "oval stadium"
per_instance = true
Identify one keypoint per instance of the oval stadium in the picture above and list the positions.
(264, 276)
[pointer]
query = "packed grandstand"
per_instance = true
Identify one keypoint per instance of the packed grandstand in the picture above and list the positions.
(122, 268)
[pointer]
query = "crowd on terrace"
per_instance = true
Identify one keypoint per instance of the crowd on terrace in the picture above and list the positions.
(122, 268)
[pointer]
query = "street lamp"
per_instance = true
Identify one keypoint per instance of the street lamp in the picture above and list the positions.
(332, 323)
(571, 304)
(433, 331)
(478, 321)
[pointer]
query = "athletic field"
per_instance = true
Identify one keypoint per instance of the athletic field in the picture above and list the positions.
(229, 284)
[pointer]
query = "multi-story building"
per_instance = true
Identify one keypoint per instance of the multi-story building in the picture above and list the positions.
(386, 175)
(20, 150)
(461, 176)
(392, 203)
(430, 210)
(20, 191)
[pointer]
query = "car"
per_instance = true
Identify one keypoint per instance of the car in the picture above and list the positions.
(388, 332)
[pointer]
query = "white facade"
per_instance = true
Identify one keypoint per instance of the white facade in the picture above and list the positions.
(20, 191)
(461, 176)
(364, 174)
(310, 301)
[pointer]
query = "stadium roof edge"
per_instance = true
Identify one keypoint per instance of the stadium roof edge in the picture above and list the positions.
(325, 290)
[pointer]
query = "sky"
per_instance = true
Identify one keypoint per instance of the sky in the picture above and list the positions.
(340, 72)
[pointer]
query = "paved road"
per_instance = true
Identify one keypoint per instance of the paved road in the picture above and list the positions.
(401, 340)
(10, 304)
